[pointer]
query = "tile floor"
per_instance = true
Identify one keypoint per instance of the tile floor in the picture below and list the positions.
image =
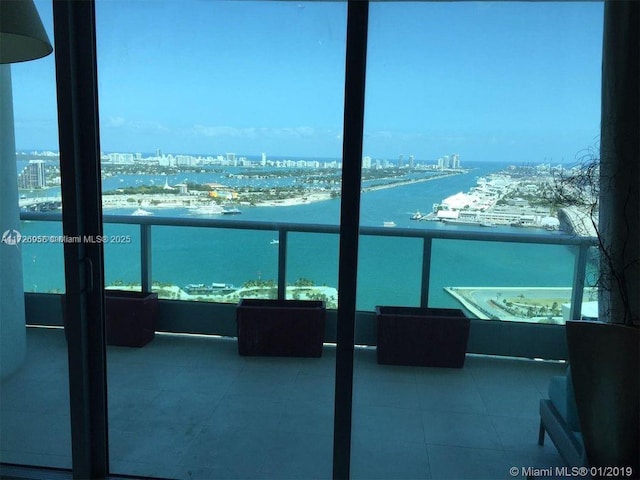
(190, 407)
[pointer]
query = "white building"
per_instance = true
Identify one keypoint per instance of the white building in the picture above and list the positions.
(33, 175)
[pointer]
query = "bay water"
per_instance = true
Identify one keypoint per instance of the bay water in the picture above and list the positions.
(389, 267)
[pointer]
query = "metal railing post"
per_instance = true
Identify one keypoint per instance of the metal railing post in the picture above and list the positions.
(145, 258)
(426, 271)
(577, 292)
(282, 264)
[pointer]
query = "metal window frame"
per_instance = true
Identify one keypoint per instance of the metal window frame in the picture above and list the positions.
(354, 98)
(77, 96)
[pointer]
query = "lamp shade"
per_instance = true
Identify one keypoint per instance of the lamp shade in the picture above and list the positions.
(22, 35)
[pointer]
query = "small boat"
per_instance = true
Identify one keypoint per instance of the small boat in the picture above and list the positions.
(389, 224)
(274, 242)
(231, 211)
(417, 216)
(141, 213)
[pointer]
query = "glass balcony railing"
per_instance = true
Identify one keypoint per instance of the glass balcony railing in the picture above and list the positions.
(492, 275)
(42, 262)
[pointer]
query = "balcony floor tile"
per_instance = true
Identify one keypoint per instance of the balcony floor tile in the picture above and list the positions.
(190, 407)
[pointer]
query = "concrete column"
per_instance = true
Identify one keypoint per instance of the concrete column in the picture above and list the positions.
(619, 163)
(12, 318)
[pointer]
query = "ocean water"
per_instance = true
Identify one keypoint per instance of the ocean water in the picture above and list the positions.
(389, 268)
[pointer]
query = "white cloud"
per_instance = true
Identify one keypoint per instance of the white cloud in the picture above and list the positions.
(115, 122)
(399, 136)
(252, 132)
(137, 125)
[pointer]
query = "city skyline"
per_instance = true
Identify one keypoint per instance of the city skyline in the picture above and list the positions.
(504, 82)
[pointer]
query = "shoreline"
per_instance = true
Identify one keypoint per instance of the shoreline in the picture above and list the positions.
(323, 196)
(175, 292)
(404, 183)
(141, 200)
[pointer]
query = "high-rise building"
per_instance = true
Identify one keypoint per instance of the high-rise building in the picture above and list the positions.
(411, 161)
(366, 162)
(263, 162)
(33, 175)
(401, 161)
(455, 161)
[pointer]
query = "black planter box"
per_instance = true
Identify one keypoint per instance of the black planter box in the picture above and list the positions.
(430, 337)
(131, 317)
(286, 328)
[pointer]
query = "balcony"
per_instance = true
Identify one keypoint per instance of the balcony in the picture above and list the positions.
(397, 266)
(187, 407)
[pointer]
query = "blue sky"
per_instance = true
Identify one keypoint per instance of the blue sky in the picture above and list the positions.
(491, 81)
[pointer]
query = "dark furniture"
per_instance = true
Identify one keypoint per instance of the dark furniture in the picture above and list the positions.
(289, 328)
(559, 419)
(432, 337)
(131, 317)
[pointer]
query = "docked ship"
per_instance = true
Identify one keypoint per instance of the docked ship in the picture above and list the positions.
(212, 209)
(459, 221)
(213, 289)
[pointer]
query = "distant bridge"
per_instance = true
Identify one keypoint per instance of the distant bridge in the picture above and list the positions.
(577, 222)
(40, 204)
